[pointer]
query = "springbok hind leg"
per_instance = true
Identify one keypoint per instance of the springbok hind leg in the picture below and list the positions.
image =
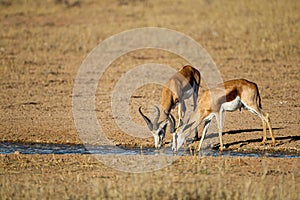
(179, 114)
(265, 121)
(264, 131)
(268, 121)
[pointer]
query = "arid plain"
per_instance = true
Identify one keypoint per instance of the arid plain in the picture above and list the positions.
(43, 44)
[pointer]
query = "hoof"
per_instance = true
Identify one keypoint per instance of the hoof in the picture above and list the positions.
(221, 148)
(262, 143)
(273, 144)
(195, 139)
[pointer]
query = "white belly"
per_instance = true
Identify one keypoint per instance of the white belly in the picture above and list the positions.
(232, 105)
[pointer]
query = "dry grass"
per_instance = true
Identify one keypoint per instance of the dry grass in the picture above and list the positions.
(83, 177)
(43, 45)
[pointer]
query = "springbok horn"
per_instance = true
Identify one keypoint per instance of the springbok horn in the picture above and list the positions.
(155, 121)
(147, 120)
(172, 123)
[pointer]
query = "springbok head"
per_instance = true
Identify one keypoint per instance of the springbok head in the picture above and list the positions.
(179, 134)
(178, 138)
(158, 129)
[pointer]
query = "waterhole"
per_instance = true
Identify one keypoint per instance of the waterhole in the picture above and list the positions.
(44, 148)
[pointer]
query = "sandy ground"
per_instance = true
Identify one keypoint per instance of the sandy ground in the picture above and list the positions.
(43, 45)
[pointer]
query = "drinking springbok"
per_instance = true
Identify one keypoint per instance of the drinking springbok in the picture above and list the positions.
(182, 85)
(228, 96)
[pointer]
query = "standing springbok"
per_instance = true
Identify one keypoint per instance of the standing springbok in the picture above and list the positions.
(228, 96)
(182, 85)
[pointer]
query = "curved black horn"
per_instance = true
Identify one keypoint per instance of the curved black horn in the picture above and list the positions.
(155, 121)
(147, 120)
(172, 123)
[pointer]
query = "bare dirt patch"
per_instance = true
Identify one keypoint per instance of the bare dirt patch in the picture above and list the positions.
(43, 44)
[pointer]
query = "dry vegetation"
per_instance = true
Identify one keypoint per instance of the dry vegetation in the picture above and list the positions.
(43, 43)
(83, 177)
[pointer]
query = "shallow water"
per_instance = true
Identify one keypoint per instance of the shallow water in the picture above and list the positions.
(43, 148)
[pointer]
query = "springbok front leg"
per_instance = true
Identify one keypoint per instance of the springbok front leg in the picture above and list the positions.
(195, 95)
(181, 112)
(194, 119)
(206, 117)
(219, 117)
(206, 125)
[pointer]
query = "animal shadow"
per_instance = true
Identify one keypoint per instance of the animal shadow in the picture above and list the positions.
(279, 140)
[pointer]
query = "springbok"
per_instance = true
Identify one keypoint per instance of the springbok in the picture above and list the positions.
(228, 96)
(182, 85)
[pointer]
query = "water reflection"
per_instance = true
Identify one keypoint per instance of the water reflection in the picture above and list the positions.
(44, 148)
